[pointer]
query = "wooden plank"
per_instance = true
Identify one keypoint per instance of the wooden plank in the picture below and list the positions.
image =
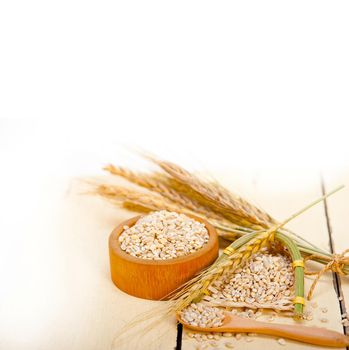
(337, 208)
(281, 194)
(110, 309)
(65, 298)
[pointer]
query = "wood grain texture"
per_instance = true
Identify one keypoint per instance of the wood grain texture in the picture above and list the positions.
(156, 279)
(62, 296)
(338, 214)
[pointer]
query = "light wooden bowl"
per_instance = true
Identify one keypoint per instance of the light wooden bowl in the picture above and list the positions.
(155, 279)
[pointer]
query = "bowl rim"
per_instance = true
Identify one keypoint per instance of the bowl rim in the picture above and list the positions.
(115, 246)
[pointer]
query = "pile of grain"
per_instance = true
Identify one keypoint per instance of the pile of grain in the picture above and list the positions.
(163, 235)
(264, 281)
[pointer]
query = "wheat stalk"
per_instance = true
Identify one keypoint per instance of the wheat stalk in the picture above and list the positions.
(188, 190)
(216, 195)
(158, 184)
(218, 198)
(146, 202)
(150, 202)
(183, 194)
(240, 211)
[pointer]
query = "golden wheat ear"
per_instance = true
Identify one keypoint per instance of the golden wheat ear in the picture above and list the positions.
(216, 198)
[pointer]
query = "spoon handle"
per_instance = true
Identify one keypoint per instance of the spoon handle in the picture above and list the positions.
(311, 335)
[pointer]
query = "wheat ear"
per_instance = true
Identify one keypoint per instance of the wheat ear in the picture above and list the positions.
(157, 184)
(241, 212)
(146, 202)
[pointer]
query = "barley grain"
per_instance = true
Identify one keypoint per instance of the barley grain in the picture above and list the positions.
(282, 341)
(203, 316)
(238, 336)
(324, 310)
(313, 304)
(163, 235)
(345, 322)
(256, 284)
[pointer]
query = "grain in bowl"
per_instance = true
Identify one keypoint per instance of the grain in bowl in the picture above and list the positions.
(154, 279)
(163, 235)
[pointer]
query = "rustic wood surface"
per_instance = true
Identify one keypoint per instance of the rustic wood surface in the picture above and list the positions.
(338, 213)
(60, 295)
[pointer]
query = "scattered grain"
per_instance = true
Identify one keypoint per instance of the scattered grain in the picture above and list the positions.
(202, 347)
(308, 315)
(282, 341)
(345, 322)
(313, 304)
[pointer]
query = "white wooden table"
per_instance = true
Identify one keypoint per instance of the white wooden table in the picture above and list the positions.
(57, 293)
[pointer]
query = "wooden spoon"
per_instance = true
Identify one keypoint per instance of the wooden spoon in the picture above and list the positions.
(311, 335)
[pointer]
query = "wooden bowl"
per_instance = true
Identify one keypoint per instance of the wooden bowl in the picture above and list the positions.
(155, 279)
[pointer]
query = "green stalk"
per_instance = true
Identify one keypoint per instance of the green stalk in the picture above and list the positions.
(236, 245)
(299, 271)
(301, 239)
(322, 257)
